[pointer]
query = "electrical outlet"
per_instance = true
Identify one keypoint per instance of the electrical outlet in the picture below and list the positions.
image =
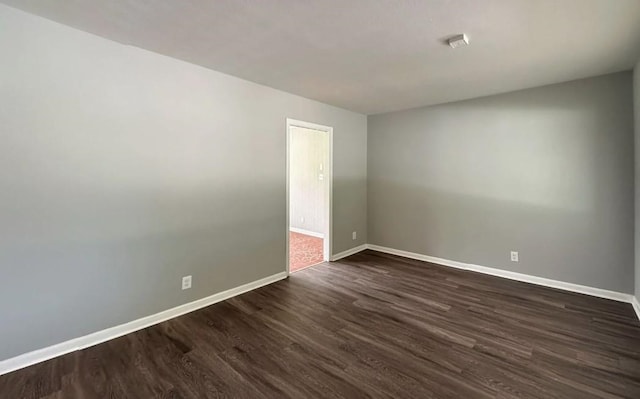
(186, 282)
(514, 256)
(302, 219)
(354, 235)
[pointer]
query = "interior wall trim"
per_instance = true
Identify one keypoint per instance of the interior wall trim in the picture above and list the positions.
(72, 345)
(41, 355)
(349, 252)
(306, 232)
(636, 306)
(582, 289)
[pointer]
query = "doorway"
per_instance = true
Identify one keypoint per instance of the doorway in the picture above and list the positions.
(309, 199)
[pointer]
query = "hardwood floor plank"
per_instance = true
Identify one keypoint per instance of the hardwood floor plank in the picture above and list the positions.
(372, 325)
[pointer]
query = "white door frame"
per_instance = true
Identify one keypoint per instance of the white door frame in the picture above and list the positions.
(328, 175)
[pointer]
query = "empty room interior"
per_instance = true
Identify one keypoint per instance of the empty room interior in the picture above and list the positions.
(319, 199)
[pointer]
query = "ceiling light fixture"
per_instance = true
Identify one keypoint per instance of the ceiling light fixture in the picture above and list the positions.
(458, 41)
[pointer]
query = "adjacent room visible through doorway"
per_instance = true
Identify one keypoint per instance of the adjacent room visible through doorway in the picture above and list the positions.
(309, 185)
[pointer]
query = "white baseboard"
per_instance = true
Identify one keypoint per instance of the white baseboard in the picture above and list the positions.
(583, 289)
(306, 232)
(349, 252)
(636, 306)
(41, 355)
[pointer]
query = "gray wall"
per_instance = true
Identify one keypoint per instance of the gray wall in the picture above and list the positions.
(547, 172)
(122, 170)
(636, 113)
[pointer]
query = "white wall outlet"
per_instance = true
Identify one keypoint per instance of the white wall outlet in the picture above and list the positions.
(302, 219)
(186, 282)
(514, 256)
(354, 235)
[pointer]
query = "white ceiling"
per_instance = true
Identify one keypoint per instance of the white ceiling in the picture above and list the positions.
(373, 56)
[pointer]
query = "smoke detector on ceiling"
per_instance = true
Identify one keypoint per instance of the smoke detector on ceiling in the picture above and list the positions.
(458, 41)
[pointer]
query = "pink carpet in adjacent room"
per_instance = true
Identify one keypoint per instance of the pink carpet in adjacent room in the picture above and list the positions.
(304, 251)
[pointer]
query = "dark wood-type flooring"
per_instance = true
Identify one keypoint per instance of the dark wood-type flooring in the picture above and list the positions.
(371, 325)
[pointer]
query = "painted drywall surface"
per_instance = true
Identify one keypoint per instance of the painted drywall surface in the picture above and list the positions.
(308, 159)
(122, 170)
(636, 113)
(547, 172)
